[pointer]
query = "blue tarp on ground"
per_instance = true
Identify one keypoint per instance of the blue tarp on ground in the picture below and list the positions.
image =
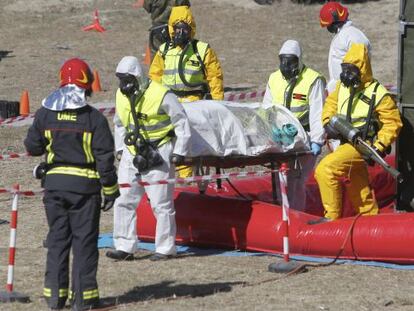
(105, 241)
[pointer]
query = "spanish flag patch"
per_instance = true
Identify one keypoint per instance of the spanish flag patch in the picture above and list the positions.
(299, 96)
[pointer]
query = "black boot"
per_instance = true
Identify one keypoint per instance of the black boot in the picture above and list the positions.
(119, 255)
(159, 256)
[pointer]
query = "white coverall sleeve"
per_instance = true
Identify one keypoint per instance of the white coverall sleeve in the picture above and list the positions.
(316, 100)
(179, 119)
(267, 98)
(119, 133)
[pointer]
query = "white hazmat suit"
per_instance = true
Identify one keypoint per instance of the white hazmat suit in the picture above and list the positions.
(296, 187)
(160, 196)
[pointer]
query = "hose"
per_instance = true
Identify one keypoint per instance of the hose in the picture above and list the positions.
(181, 69)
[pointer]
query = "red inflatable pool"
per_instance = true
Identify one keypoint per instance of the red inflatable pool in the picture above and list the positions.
(226, 219)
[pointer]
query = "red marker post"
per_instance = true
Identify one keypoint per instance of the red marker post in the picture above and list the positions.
(286, 265)
(9, 295)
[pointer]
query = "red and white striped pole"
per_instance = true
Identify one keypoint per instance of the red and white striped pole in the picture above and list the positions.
(12, 245)
(287, 265)
(285, 209)
(10, 295)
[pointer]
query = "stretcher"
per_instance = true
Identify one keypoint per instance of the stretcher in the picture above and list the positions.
(221, 129)
(235, 135)
(226, 134)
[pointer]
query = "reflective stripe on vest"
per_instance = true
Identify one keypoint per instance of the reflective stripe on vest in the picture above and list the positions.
(193, 70)
(299, 105)
(360, 103)
(87, 147)
(50, 153)
(75, 171)
(156, 126)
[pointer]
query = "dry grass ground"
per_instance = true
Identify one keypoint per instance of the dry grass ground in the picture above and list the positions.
(40, 34)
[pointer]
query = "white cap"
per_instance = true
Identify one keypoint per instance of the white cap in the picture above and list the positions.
(291, 47)
(130, 65)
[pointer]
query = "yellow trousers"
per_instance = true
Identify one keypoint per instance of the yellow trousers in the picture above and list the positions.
(185, 171)
(345, 162)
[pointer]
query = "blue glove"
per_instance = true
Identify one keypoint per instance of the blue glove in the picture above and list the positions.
(316, 149)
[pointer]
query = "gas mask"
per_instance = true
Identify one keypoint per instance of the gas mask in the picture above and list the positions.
(350, 75)
(289, 65)
(147, 158)
(128, 84)
(182, 2)
(334, 27)
(182, 34)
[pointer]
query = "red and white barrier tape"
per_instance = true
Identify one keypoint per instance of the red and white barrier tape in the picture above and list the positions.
(111, 110)
(201, 178)
(27, 193)
(227, 96)
(162, 182)
(13, 155)
(105, 111)
(16, 119)
(243, 96)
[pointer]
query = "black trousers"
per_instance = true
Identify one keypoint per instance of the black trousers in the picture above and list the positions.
(73, 220)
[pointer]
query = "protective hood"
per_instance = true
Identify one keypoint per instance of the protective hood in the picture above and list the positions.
(358, 56)
(181, 14)
(292, 47)
(129, 65)
(69, 96)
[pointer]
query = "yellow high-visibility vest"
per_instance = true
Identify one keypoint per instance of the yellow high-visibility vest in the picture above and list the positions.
(360, 103)
(193, 69)
(299, 105)
(154, 126)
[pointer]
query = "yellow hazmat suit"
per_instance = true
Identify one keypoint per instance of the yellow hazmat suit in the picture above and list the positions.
(346, 161)
(213, 72)
(167, 59)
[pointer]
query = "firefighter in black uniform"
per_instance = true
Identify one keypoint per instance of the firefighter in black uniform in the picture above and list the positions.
(79, 153)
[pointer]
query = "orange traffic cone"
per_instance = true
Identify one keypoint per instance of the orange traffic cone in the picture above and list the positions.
(95, 25)
(24, 108)
(96, 84)
(147, 56)
(138, 4)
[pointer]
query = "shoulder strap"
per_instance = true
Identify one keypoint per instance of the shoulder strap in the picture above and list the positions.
(203, 67)
(165, 49)
(370, 112)
(195, 49)
(289, 92)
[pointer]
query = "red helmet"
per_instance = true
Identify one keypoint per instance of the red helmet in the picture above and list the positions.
(332, 12)
(76, 71)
